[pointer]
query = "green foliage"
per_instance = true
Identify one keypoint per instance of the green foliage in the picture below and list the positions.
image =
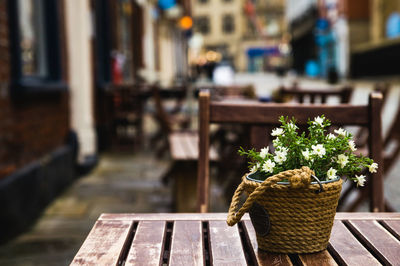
(330, 155)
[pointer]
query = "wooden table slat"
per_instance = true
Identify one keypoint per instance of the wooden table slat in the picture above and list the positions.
(317, 259)
(225, 244)
(187, 245)
(104, 243)
(347, 248)
(265, 258)
(147, 244)
(223, 216)
(393, 227)
(180, 239)
(379, 239)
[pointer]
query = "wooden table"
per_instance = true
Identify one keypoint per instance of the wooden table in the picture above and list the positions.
(205, 239)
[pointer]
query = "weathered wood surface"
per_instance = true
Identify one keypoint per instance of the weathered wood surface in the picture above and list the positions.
(147, 244)
(265, 258)
(226, 247)
(222, 216)
(206, 239)
(317, 259)
(376, 237)
(104, 243)
(347, 249)
(187, 246)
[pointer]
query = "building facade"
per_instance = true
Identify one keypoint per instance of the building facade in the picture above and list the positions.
(71, 75)
(220, 22)
(38, 149)
(246, 33)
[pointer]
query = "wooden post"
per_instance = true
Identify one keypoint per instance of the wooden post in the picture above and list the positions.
(203, 172)
(375, 131)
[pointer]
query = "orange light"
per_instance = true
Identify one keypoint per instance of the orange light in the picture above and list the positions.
(185, 22)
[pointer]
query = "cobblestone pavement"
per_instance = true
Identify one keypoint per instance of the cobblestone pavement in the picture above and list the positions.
(120, 183)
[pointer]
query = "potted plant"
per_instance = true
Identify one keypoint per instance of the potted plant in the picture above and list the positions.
(293, 189)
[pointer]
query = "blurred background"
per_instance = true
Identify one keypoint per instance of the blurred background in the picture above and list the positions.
(91, 90)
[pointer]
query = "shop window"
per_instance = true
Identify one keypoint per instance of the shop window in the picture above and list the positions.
(202, 24)
(35, 46)
(122, 56)
(228, 24)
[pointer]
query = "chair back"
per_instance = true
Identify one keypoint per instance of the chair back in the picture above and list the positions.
(392, 140)
(267, 114)
(316, 95)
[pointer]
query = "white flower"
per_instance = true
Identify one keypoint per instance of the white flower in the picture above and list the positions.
(360, 180)
(331, 174)
(341, 132)
(318, 150)
(276, 143)
(306, 154)
(372, 168)
(264, 152)
(268, 166)
(342, 160)
(277, 131)
(330, 136)
(292, 126)
(282, 149)
(280, 156)
(352, 145)
(255, 167)
(319, 121)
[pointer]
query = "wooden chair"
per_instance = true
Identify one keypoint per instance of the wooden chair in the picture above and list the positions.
(127, 116)
(267, 114)
(300, 95)
(169, 121)
(391, 152)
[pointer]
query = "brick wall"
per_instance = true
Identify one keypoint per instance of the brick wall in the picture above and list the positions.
(29, 128)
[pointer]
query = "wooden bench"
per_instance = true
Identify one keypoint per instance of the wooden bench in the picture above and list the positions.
(168, 121)
(184, 151)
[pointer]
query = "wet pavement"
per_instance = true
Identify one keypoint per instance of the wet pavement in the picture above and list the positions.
(120, 183)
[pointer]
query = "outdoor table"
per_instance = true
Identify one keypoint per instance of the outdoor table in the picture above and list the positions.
(206, 239)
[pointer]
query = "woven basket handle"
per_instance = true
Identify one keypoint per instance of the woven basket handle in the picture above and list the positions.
(298, 178)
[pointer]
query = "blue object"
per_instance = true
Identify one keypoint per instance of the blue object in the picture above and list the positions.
(393, 25)
(312, 69)
(322, 24)
(261, 51)
(166, 4)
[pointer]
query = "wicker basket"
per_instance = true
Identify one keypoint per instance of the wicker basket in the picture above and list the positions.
(292, 217)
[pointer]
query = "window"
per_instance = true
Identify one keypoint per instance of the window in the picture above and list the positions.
(35, 46)
(122, 56)
(103, 44)
(202, 24)
(228, 24)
